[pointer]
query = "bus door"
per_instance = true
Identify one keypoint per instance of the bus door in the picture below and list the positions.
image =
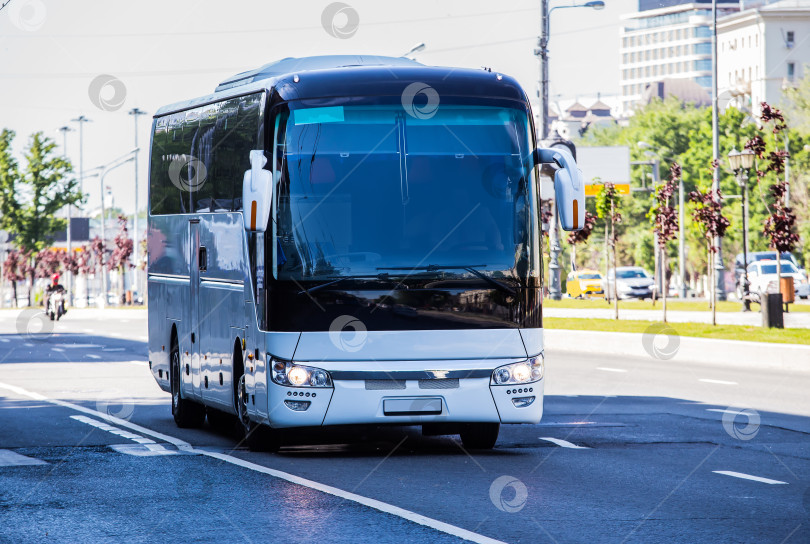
(197, 253)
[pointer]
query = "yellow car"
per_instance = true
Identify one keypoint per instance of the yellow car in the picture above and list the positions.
(584, 284)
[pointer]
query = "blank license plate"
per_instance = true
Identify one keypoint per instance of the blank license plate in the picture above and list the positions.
(404, 407)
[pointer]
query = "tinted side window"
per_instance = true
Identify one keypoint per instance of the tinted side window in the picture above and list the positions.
(159, 168)
(199, 156)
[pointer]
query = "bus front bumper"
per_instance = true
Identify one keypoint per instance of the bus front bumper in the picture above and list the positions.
(405, 402)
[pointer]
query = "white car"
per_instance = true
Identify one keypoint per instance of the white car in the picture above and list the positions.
(762, 278)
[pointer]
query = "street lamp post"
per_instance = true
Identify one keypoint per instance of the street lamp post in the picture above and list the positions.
(104, 170)
(69, 242)
(541, 52)
(135, 112)
(719, 279)
(740, 163)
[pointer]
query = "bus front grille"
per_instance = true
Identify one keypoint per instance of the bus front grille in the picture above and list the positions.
(440, 383)
(377, 385)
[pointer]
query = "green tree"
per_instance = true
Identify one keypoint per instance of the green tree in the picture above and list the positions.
(30, 199)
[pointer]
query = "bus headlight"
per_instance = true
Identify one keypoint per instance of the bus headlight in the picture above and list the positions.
(530, 370)
(291, 374)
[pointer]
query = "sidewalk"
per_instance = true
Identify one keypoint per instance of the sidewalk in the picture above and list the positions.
(680, 349)
(798, 320)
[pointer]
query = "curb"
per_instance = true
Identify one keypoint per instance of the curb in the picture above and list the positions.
(740, 354)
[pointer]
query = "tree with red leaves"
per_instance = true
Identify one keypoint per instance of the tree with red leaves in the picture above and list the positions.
(607, 208)
(581, 236)
(119, 258)
(95, 252)
(780, 226)
(708, 214)
(665, 221)
(15, 268)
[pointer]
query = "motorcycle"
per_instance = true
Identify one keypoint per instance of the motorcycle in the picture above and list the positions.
(56, 305)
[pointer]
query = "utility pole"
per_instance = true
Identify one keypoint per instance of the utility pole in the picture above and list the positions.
(542, 54)
(64, 130)
(81, 119)
(719, 279)
(135, 112)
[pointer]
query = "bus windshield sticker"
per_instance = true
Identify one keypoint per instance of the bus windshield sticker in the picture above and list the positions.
(331, 114)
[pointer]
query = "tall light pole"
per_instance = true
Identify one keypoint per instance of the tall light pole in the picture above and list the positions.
(64, 130)
(135, 112)
(106, 169)
(81, 120)
(741, 162)
(719, 279)
(541, 52)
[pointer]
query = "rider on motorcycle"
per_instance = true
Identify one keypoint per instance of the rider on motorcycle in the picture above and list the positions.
(53, 288)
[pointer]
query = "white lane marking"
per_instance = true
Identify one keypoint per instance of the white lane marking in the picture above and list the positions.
(186, 447)
(58, 349)
(721, 382)
(144, 450)
(144, 444)
(748, 477)
(80, 346)
(113, 349)
(5, 340)
(564, 443)
(28, 345)
(725, 411)
(10, 459)
(93, 356)
(608, 369)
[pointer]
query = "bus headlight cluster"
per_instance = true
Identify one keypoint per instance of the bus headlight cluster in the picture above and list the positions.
(530, 370)
(291, 374)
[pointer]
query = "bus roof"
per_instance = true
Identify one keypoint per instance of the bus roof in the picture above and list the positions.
(354, 75)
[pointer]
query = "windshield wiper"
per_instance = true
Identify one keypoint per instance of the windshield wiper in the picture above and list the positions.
(471, 268)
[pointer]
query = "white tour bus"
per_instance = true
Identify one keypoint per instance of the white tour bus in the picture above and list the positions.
(352, 240)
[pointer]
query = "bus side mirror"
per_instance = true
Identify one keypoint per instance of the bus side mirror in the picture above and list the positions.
(569, 190)
(257, 193)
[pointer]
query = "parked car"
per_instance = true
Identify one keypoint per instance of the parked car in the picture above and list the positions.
(763, 279)
(631, 282)
(753, 257)
(584, 284)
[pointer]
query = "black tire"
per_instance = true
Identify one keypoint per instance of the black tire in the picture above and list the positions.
(258, 437)
(187, 413)
(480, 436)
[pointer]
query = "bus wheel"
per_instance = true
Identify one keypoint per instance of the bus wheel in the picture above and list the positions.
(186, 413)
(480, 436)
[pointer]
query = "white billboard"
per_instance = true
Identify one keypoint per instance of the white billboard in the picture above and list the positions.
(609, 164)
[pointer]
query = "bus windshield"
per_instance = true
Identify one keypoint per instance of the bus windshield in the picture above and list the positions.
(372, 190)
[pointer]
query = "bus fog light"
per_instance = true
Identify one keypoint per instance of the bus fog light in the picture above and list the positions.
(297, 405)
(522, 402)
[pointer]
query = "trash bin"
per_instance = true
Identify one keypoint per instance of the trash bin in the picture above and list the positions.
(772, 310)
(788, 290)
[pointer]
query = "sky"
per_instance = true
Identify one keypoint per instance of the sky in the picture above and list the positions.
(61, 59)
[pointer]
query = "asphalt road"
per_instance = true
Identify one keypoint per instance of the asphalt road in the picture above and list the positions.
(629, 450)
